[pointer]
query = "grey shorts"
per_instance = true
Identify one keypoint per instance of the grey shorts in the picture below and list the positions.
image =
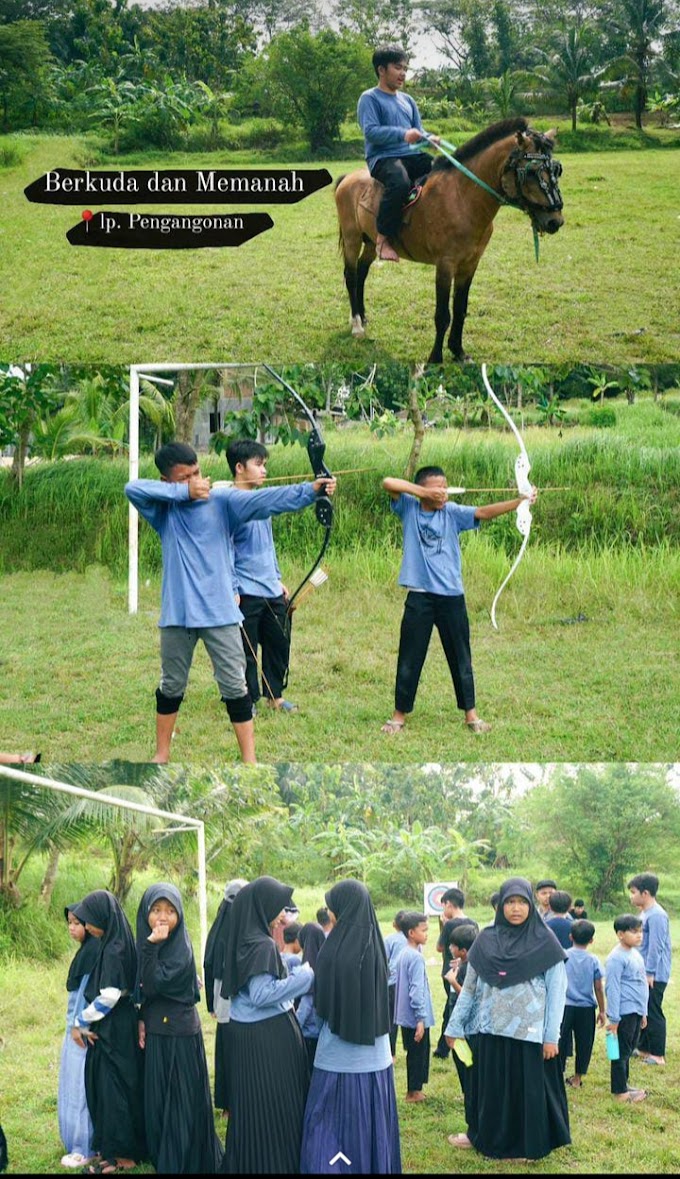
(225, 648)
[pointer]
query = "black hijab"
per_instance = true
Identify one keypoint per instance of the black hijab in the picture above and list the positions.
(250, 948)
(311, 937)
(351, 968)
(116, 963)
(175, 967)
(216, 943)
(84, 959)
(504, 955)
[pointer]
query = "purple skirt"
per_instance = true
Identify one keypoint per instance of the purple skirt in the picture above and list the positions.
(354, 1114)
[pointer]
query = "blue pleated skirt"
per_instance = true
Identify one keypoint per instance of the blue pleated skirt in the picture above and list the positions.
(354, 1114)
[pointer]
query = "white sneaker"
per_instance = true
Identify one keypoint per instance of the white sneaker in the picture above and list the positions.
(74, 1159)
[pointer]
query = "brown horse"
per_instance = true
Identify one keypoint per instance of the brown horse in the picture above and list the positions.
(451, 223)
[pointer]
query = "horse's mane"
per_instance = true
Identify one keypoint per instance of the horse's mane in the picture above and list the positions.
(480, 142)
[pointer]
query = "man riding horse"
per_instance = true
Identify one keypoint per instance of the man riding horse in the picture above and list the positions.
(391, 122)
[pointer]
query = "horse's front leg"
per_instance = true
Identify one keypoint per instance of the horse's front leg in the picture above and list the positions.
(442, 317)
(461, 290)
(364, 265)
(352, 282)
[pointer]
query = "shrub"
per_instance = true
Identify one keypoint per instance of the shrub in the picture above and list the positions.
(602, 416)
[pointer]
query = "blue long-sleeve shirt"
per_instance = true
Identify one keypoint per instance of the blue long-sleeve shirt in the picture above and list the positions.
(384, 119)
(627, 992)
(335, 1055)
(255, 563)
(395, 944)
(412, 998)
(656, 942)
(196, 539)
(432, 560)
(531, 1010)
(265, 996)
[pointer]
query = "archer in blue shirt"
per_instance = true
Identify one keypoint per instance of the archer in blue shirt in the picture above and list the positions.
(391, 124)
(264, 599)
(431, 572)
(198, 598)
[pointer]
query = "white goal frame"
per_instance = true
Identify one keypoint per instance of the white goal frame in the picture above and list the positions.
(186, 823)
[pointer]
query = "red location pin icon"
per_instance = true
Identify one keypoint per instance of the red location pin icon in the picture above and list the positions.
(87, 216)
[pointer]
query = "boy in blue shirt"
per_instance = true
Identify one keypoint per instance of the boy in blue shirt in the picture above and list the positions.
(585, 991)
(391, 122)
(195, 523)
(413, 1011)
(559, 919)
(431, 572)
(627, 997)
(263, 598)
(395, 944)
(656, 954)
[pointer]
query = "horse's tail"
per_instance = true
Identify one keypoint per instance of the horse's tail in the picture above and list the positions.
(339, 181)
(335, 189)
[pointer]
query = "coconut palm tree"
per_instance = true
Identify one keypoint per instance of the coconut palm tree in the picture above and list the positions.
(567, 72)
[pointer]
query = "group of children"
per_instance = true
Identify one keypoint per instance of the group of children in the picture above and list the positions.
(307, 1020)
(222, 583)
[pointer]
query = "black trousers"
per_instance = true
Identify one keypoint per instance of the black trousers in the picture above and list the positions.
(442, 1050)
(653, 1037)
(397, 175)
(417, 1059)
(391, 990)
(578, 1029)
(267, 625)
(422, 611)
(629, 1034)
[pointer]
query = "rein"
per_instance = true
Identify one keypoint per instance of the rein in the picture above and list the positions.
(523, 164)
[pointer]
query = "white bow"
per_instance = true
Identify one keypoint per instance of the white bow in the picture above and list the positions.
(525, 488)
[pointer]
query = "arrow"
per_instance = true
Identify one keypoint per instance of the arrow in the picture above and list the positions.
(339, 1157)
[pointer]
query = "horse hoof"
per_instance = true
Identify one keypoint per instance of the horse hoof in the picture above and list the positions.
(358, 330)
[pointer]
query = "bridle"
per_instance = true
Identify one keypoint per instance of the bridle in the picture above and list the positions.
(538, 166)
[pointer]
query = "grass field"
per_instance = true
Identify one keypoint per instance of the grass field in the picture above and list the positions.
(604, 290)
(79, 673)
(607, 1138)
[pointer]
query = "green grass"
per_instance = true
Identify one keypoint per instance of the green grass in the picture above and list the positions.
(79, 674)
(604, 288)
(607, 1139)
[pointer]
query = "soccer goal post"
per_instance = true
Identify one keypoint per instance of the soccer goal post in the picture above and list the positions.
(180, 823)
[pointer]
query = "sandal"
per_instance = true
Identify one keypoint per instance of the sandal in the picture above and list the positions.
(570, 1082)
(478, 726)
(633, 1095)
(460, 1140)
(392, 727)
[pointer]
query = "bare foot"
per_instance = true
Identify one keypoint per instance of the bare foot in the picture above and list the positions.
(386, 251)
(460, 1140)
(416, 1096)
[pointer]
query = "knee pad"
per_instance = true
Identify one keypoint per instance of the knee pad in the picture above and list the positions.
(240, 709)
(167, 705)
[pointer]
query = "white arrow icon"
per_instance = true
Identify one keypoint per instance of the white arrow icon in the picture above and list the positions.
(339, 1157)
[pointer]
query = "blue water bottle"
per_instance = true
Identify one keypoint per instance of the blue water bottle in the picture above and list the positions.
(612, 1041)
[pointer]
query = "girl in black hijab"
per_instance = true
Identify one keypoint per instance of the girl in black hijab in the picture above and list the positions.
(311, 938)
(108, 1028)
(268, 1073)
(75, 1123)
(180, 1132)
(219, 1008)
(352, 1104)
(513, 998)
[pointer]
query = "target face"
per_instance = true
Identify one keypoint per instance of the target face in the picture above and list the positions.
(433, 893)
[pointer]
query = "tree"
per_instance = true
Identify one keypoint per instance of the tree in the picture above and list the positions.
(26, 395)
(568, 72)
(24, 61)
(641, 24)
(600, 825)
(377, 21)
(313, 80)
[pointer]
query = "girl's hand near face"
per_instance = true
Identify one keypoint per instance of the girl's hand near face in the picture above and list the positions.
(160, 934)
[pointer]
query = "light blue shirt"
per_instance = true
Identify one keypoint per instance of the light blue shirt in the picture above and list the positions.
(264, 996)
(310, 1023)
(335, 1055)
(255, 565)
(196, 539)
(384, 119)
(412, 998)
(627, 989)
(656, 942)
(431, 560)
(395, 944)
(583, 971)
(531, 1010)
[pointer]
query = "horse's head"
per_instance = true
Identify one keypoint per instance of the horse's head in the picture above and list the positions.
(530, 178)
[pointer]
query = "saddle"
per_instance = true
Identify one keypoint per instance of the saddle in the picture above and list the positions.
(371, 196)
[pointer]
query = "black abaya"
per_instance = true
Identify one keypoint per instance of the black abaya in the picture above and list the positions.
(113, 1085)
